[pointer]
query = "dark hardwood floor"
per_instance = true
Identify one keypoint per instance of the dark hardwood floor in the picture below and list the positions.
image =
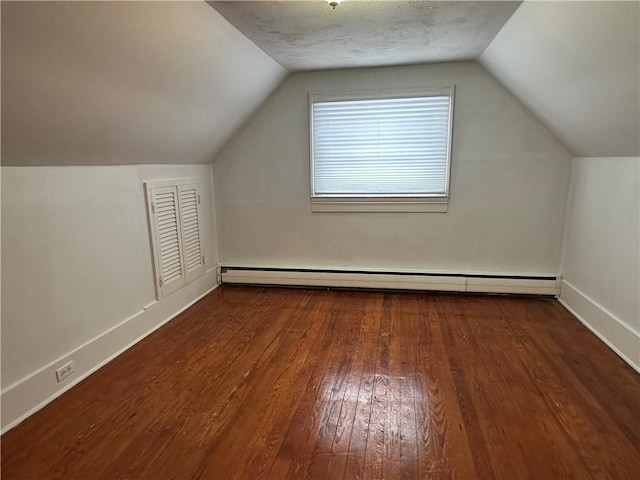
(283, 383)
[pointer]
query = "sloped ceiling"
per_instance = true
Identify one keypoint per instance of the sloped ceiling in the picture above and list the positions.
(309, 35)
(577, 66)
(98, 83)
(574, 64)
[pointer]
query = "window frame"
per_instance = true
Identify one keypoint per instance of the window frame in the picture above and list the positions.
(381, 202)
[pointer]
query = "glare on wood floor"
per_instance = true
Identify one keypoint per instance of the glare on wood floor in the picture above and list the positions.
(282, 383)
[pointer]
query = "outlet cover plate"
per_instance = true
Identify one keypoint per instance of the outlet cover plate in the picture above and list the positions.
(64, 371)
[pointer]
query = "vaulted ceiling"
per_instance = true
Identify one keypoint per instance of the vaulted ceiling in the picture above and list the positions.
(575, 64)
(309, 35)
(103, 83)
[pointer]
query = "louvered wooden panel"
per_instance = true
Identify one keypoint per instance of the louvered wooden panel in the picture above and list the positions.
(191, 235)
(167, 241)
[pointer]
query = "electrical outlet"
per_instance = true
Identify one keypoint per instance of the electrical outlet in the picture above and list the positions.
(64, 371)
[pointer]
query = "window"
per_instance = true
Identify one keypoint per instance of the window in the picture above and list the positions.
(384, 151)
(174, 221)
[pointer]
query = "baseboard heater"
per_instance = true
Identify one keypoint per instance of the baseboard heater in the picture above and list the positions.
(445, 282)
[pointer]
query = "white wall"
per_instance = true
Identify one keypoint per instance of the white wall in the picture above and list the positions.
(104, 83)
(577, 66)
(77, 271)
(601, 258)
(114, 83)
(508, 187)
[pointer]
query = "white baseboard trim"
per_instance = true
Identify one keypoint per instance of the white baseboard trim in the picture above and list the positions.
(618, 336)
(402, 280)
(25, 397)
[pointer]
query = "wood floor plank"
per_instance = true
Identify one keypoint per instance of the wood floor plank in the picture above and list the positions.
(588, 360)
(286, 393)
(402, 353)
(333, 396)
(333, 388)
(302, 435)
(354, 468)
(445, 416)
(255, 394)
(337, 461)
(571, 409)
(293, 442)
(524, 412)
(377, 438)
(258, 383)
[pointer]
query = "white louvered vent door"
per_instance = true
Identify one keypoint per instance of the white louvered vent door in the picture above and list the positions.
(167, 239)
(191, 235)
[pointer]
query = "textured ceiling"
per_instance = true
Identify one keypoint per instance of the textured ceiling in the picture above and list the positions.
(309, 35)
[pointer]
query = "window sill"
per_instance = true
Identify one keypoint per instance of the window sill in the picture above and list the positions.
(380, 204)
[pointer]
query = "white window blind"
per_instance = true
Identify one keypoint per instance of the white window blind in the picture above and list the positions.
(381, 147)
(176, 238)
